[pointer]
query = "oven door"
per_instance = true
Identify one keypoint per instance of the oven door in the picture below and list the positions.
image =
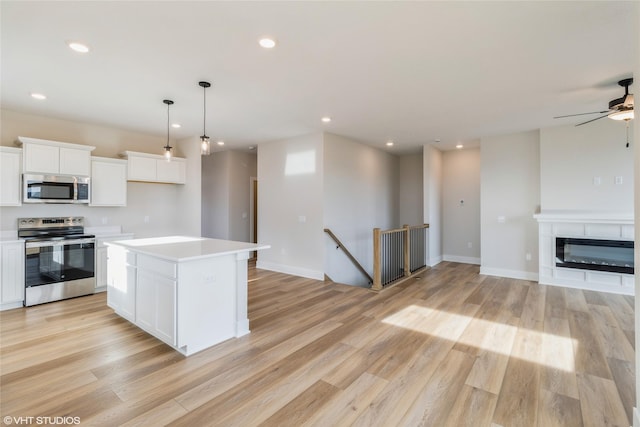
(53, 261)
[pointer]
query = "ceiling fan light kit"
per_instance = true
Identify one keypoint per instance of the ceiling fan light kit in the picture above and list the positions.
(619, 108)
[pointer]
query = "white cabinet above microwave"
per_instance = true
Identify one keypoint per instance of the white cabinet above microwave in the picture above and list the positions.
(53, 157)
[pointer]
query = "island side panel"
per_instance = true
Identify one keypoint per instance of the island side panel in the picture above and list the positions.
(242, 300)
(206, 302)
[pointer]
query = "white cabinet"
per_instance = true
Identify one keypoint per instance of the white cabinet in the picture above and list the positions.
(53, 157)
(108, 182)
(154, 168)
(10, 176)
(156, 305)
(101, 258)
(121, 283)
(11, 274)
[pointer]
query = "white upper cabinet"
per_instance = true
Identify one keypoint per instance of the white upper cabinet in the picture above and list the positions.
(108, 182)
(154, 168)
(53, 157)
(10, 169)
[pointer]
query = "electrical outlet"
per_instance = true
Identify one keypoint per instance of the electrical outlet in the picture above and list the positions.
(146, 219)
(469, 245)
(527, 256)
(618, 180)
(597, 180)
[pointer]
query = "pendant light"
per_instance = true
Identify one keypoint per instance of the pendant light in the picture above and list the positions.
(167, 148)
(205, 145)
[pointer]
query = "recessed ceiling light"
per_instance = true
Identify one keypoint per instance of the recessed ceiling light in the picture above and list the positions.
(78, 47)
(252, 148)
(176, 125)
(221, 143)
(267, 43)
(38, 96)
(459, 146)
(326, 119)
(437, 140)
(389, 143)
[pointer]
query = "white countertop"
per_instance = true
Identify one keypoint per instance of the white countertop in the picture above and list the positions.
(184, 248)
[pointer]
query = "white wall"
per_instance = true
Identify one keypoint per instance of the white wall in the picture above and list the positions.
(290, 212)
(461, 205)
(510, 195)
(411, 191)
(172, 209)
(360, 194)
(432, 201)
(571, 157)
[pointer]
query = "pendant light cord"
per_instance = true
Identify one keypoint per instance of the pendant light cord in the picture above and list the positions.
(204, 108)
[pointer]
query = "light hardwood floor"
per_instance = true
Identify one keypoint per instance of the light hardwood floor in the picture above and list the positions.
(451, 348)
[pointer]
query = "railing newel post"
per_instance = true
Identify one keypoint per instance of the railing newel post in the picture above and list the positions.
(377, 265)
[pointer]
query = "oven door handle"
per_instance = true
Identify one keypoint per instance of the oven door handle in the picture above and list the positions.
(50, 243)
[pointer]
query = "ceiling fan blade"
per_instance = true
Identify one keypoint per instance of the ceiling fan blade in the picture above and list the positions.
(581, 114)
(592, 120)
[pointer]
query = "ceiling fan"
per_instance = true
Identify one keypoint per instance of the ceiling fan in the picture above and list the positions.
(619, 108)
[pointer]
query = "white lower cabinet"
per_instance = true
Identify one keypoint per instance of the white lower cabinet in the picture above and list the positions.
(101, 258)
(156, 305)
(121, 283)
(11, 274)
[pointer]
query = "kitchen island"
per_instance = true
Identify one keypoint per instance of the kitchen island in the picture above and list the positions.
(190, 292)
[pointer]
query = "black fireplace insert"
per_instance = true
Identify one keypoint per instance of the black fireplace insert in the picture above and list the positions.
(615, 256)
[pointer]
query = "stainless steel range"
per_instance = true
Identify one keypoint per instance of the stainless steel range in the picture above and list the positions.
(59, 259)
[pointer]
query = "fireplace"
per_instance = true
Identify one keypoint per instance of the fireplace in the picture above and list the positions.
(615, 256)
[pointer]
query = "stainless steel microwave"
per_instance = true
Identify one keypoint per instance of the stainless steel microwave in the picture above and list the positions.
(55, 188)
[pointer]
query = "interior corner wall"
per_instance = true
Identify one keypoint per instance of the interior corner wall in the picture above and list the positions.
(411, 190)
(432, 200)
(189, 194)
(636, 149)
(574, 158)
(290, 211)
(215, 195)
(159, 202)
(360, 194)
(243, 166)
(461, 205)
(510, 196)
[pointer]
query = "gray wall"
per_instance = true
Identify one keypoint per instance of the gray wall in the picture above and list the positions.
(360, 194)
(290, 213)
(226, 183)
(411, 209)
(461, 205)
(510, 189)
(572, 157)
(432, 201)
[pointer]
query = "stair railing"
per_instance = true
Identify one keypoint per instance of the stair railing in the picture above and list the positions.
(348, 254)
(398, 253)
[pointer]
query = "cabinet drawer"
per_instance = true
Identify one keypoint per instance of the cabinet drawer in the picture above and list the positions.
(157, 266)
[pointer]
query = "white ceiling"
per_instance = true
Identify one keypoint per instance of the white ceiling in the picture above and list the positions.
(412, 72)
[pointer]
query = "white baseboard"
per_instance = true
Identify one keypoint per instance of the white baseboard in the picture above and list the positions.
(289, 269)
(11, 305)
(461, 259)
(636, 418)
(511, 274)
(434, 261)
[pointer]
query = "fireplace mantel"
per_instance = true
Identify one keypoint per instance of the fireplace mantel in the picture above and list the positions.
(587, 225)
(593, 217)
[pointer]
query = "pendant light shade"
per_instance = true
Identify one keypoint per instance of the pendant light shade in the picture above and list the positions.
(205, 145)
(167, 148)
